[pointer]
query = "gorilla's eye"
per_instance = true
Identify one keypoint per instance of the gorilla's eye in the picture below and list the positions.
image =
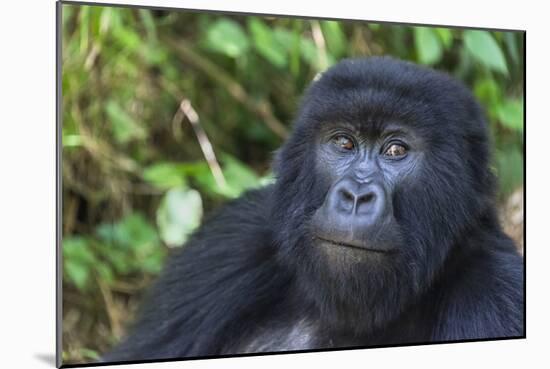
(343, 142)
(395, 150)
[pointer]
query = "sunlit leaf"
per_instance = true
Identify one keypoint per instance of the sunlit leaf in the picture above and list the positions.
(227, 37)
(179, 214)
(165, 175)
(483, 47)
(72, 140)
(427, 44)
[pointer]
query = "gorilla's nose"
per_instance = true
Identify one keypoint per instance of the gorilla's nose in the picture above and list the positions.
(357, 201)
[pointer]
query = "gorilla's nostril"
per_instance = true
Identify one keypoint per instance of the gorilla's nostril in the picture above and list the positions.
(348, 196)
(355, 201)
(366, 198)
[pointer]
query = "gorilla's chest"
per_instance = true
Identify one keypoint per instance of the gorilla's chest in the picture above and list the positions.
(274, 337)
(286, 333)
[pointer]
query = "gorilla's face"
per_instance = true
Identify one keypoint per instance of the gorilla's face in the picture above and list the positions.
(368, 255)
(387, 165)
(363, 165)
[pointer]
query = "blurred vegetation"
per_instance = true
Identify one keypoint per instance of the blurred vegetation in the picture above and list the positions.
(166, 115)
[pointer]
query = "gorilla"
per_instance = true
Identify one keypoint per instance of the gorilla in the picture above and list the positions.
(380, 229)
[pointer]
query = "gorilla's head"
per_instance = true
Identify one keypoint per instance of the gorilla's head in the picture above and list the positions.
(386, 167)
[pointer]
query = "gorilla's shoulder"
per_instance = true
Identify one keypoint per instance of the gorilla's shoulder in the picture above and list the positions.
(485, 299)
(200, 292)
(246, 215)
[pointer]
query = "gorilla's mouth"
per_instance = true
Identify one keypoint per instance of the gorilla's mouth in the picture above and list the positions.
(354, 246)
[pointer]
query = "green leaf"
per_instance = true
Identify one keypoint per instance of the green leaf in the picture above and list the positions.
(428, 45)
(125, 128)
(483, 47)
(488, 91)
(78, 261)
(446, 36)
(227, 37)
(165, 175)
(131, 232)
(78, 249)
(335, 38)
(309, 52)
(179, 214)
(266, 44)
(267, 179)
(77, 272)
(72, 140)
(154, 54)
(121, 260)
(238, 176)
(510, 114)
(137, 232)
(126, 38)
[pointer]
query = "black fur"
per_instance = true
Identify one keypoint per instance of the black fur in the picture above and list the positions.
(251, 279)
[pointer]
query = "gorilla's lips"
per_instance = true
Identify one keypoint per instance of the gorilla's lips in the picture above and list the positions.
(355, 245)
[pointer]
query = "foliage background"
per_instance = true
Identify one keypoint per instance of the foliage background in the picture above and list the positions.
(147, 92)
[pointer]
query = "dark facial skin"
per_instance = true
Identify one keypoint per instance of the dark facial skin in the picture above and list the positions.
(363, 167)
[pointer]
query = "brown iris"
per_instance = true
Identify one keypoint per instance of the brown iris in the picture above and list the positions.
(344, 142)
(396, 150)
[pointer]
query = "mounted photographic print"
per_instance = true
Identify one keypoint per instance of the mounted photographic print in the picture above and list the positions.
(241, 184)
